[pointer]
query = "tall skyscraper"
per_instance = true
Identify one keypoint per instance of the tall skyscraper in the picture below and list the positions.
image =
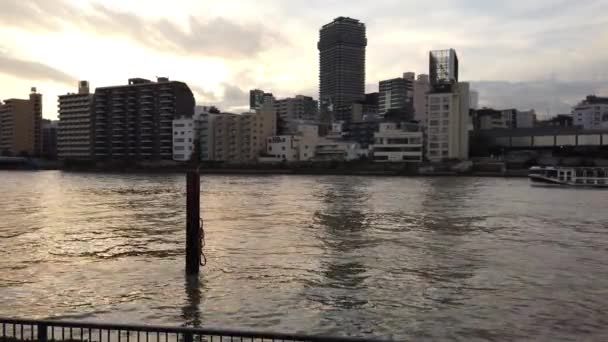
(74, 133)
(21, 125)
(134, 121)
(342, 66)
(443, 69)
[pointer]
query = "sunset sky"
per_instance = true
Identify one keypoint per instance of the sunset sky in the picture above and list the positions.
(542, 54)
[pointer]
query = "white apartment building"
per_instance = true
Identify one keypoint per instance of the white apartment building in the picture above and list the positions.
(284, 147)
(74, 131)
(591, 113)
(306, 145)
(185, 134)
(421, 88)
(448, 124)
(393, 143)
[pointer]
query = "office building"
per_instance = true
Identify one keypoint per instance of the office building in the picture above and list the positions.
(74, 130)
(295, 110)
(591, 113)
(448, 124)
(397, 96)
(49, 139)
(397, 142)
(342, 66)
(133, 122)
(421, 87)
(21, 126)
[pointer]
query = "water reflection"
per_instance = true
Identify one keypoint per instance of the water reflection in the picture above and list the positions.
(342, 224)
(191, 312)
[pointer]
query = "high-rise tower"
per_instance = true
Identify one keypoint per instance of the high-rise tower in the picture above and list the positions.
(342, 66)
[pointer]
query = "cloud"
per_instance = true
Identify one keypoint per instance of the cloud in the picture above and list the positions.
(548, 98)
(25, 69)
(215, 37)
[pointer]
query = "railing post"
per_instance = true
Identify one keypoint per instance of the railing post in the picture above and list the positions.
(193, 231)
(42, 332)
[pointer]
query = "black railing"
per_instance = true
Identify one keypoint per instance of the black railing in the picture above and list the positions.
(16, 330)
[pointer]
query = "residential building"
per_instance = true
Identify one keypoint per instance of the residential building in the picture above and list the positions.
(361, 132)
(448, 124)
(421, 87)
(397, 95)
(560, 120)
(49, 139)
(186, 131)
(488, 118)
(236, 138)
(284, 147)
(21, 126)
(74, 131)
(258, 126)
(295, 110)
(133, 122)
(398, 142)
(591, 113)
(258, 97)
(342, 66)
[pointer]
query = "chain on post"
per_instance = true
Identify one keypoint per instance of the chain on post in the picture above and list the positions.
(203, 257)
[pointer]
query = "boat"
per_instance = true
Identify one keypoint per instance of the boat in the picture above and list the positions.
(596, 177)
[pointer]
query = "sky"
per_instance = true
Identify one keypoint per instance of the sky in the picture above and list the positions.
(533, 54)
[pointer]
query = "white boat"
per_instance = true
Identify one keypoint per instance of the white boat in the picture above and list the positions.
(596, 177)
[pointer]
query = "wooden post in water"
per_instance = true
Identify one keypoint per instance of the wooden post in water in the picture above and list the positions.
(193, 231)
(193, 207)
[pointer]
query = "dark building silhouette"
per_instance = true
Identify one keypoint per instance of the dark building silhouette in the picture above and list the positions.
(342, 66)
(49, 139)
(443, 70)
(134, 122)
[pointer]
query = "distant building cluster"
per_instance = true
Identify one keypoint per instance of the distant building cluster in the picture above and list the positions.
(411, 119)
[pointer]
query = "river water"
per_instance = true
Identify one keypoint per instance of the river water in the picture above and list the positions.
(402, 258)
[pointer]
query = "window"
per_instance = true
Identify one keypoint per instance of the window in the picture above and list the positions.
(189, 139)
(175, 133)
(446, 114)
(179, 148)
(434, 145)
(182, 133)
(446, 106)
(269, 148)
(434, 107)
(306, 147)
(446, 122)
(283, 148)
(305, 155)
(415, 141)
(179, 140)
(434, 123)
(445, 145)
(402, 141)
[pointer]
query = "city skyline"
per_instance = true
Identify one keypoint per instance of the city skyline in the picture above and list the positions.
(523, 62)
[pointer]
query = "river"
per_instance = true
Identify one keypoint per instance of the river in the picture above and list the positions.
(402, 258)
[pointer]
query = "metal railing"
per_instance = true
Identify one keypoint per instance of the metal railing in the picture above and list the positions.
(16, 330)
